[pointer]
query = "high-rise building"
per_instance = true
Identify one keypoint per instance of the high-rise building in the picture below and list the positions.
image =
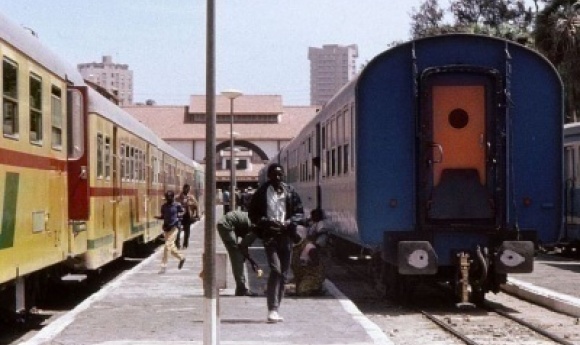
(331, 67)
(113, 77)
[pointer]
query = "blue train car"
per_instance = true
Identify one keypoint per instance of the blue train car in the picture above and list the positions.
(571, 235)
(442, 159)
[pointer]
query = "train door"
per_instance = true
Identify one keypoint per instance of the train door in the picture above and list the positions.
(116, 177)
(78, 161)
(316, 165)
(457, 124)
(570, 183)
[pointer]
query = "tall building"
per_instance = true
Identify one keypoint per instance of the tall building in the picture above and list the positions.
(331, 67)
(113, 77)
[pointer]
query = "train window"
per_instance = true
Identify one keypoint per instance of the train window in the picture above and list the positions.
(137, 165)
(333, 162)
(107, 157)
(35, 93)
(128, 164)
(332, 133)
(143, 168)
(100, 155)
(569, 162)
(125, 170)
(340, 129)
(352, 135)
(132, 164)
(76, 124)
(122, 161)
(326, 165)
(167, 174)
(339, 163)
(155, 168)
(458, 118)
(347, 126)
(56, 117)
(346, 148)
(10, 97)
(577, 162)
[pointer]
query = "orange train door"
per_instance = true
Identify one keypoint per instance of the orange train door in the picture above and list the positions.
(457, 125)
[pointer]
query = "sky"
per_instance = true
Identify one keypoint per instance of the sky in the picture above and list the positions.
(261, 45)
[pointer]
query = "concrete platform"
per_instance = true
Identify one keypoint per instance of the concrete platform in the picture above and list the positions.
(554, 283)
(144, 307)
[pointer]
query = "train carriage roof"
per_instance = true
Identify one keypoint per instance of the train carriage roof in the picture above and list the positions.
(29, 45)
(25, 42)
(104, 107)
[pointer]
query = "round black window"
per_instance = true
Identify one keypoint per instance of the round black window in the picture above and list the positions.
(458, 118)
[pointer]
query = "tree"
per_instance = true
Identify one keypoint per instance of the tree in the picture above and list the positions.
(502, 18)
(427, 20)
(556, 36)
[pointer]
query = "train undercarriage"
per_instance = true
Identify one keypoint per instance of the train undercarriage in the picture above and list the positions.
(470, 275)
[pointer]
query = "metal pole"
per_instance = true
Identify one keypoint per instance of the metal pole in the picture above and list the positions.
(211, 321)
(232, 159)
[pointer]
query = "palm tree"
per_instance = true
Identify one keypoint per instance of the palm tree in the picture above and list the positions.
(556, 36)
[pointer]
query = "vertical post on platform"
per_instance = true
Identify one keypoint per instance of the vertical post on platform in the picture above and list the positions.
(232, 94)
(211, 312)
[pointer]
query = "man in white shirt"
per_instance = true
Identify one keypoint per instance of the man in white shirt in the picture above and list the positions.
(276, 210)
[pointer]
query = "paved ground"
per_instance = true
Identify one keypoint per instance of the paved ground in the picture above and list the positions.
(144, 307)
(554, 283)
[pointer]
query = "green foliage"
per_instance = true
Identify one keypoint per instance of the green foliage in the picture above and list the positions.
(508, 19)
(556, 36)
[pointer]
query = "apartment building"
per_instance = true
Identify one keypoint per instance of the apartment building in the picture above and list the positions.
(331, 67)
(116, 78)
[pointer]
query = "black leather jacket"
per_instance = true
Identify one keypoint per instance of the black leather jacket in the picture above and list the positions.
(258, 210)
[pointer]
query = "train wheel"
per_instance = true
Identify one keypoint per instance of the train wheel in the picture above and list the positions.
(340, 249)
(395, 284)
(477, 297)
(377, 270)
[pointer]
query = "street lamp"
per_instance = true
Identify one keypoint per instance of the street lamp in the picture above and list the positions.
(232, 94)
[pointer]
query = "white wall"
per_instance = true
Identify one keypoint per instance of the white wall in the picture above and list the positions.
(270, 148)
(185, 147)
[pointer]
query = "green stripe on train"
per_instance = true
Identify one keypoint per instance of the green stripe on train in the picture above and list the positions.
(100, 242)
(9, 210)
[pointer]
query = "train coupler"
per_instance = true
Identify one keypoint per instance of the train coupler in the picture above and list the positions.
(463, 283)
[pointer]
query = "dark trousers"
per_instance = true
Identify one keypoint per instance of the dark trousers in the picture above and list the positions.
(186, 229)
(237, 259)
(279, 255)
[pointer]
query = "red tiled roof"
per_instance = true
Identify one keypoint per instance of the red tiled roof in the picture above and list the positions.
(250, 104)
(168, 121)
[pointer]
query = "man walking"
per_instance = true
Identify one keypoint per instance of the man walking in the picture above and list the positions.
(189, 204)
(276, 209)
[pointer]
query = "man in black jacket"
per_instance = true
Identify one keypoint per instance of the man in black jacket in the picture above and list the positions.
(276, 210)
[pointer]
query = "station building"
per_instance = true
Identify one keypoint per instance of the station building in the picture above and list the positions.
(261, 126)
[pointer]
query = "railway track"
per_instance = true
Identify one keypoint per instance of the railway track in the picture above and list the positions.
(432, 317)
(491, 325)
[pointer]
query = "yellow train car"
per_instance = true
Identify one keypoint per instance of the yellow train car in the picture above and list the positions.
(33, 161)
(80, 179)
(128, 170)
